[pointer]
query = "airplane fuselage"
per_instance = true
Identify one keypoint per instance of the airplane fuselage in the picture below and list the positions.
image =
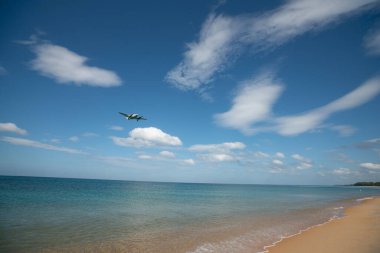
(132, 116)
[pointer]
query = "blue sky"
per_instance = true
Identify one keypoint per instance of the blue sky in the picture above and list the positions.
(275, 92)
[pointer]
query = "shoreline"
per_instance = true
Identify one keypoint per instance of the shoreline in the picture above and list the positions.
(354, 232)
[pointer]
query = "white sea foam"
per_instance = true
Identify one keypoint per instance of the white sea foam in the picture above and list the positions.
(335, 217)
(300, 232)
(256, 239)
(362, 199)
(253, 239)
(244, 242)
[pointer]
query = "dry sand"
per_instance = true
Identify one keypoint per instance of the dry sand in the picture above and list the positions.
(357, 232)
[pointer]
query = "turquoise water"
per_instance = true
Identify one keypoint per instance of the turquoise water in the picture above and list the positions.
(70, 215)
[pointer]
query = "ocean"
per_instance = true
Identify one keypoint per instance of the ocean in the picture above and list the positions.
(83, 215)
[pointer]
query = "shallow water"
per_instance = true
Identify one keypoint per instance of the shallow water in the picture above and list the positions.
(66, 215)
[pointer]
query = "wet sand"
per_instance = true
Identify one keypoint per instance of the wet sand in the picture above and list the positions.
(358, 231)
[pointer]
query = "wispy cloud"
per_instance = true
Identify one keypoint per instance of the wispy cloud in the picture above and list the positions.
(303, 162)
(90, 134)
(368, 144)
(145, 157)
(280, 155)
(277, 170)
(222, 147)
(221, 36)
(293, 125)
(74, 138)
(300, 158)
(3, 71)
(66, 66)
(167, 154)
(36, 144)
(11, 127)
(260, 154)
(116, 160)
(207, 56)
(297, 17)
(344, 130)
(372, 41)
(163, 155)
(370, 166)
(117, 128)
(188, 161)
(55, 140)
(254, 106)
(147, 137)
(222, 152)
(342, 171)
(218, 157)
(277, 162)
(253, 103)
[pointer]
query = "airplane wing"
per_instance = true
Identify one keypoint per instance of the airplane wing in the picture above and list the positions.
(125, 115)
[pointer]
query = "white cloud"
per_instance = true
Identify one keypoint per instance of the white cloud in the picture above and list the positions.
(55, 140)
(254, 106)
(117, 128)
(90, 134)
(253, 103)
(207, 56)
(277, 170)
(218, 157)
(297, 17)
(145, 157)
(163, 155)
(222, 147)
(3, 71)
(74, 138)
(65, 66)
(304, 166)
(344, 130)
(372, 143)
(372, 42)
(222, 152)
(221, 36)
(188, 161)
(147, 137)
(116, 160)
(370, 166)
(280, 155)
(342, 171)
(277, 162)
(260, 154)
(36, 144)
(11, 127)
(167, 154)
(303, 162)
(293, 125)
(300, 158)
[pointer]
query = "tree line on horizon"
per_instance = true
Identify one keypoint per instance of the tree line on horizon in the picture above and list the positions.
(367, 184)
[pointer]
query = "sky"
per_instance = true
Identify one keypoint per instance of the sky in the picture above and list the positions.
(246, 92)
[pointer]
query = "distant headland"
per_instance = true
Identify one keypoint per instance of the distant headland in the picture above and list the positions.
(366, 184)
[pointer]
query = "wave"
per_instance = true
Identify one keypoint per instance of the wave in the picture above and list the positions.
(253, 239)
(362, 199)
(260, 240)
(298, 233)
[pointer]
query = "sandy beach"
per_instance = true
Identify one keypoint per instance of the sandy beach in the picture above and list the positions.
(358, 231)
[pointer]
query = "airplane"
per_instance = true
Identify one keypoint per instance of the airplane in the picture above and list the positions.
(132, 116)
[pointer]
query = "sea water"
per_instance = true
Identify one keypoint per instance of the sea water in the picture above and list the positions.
(82, 215)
